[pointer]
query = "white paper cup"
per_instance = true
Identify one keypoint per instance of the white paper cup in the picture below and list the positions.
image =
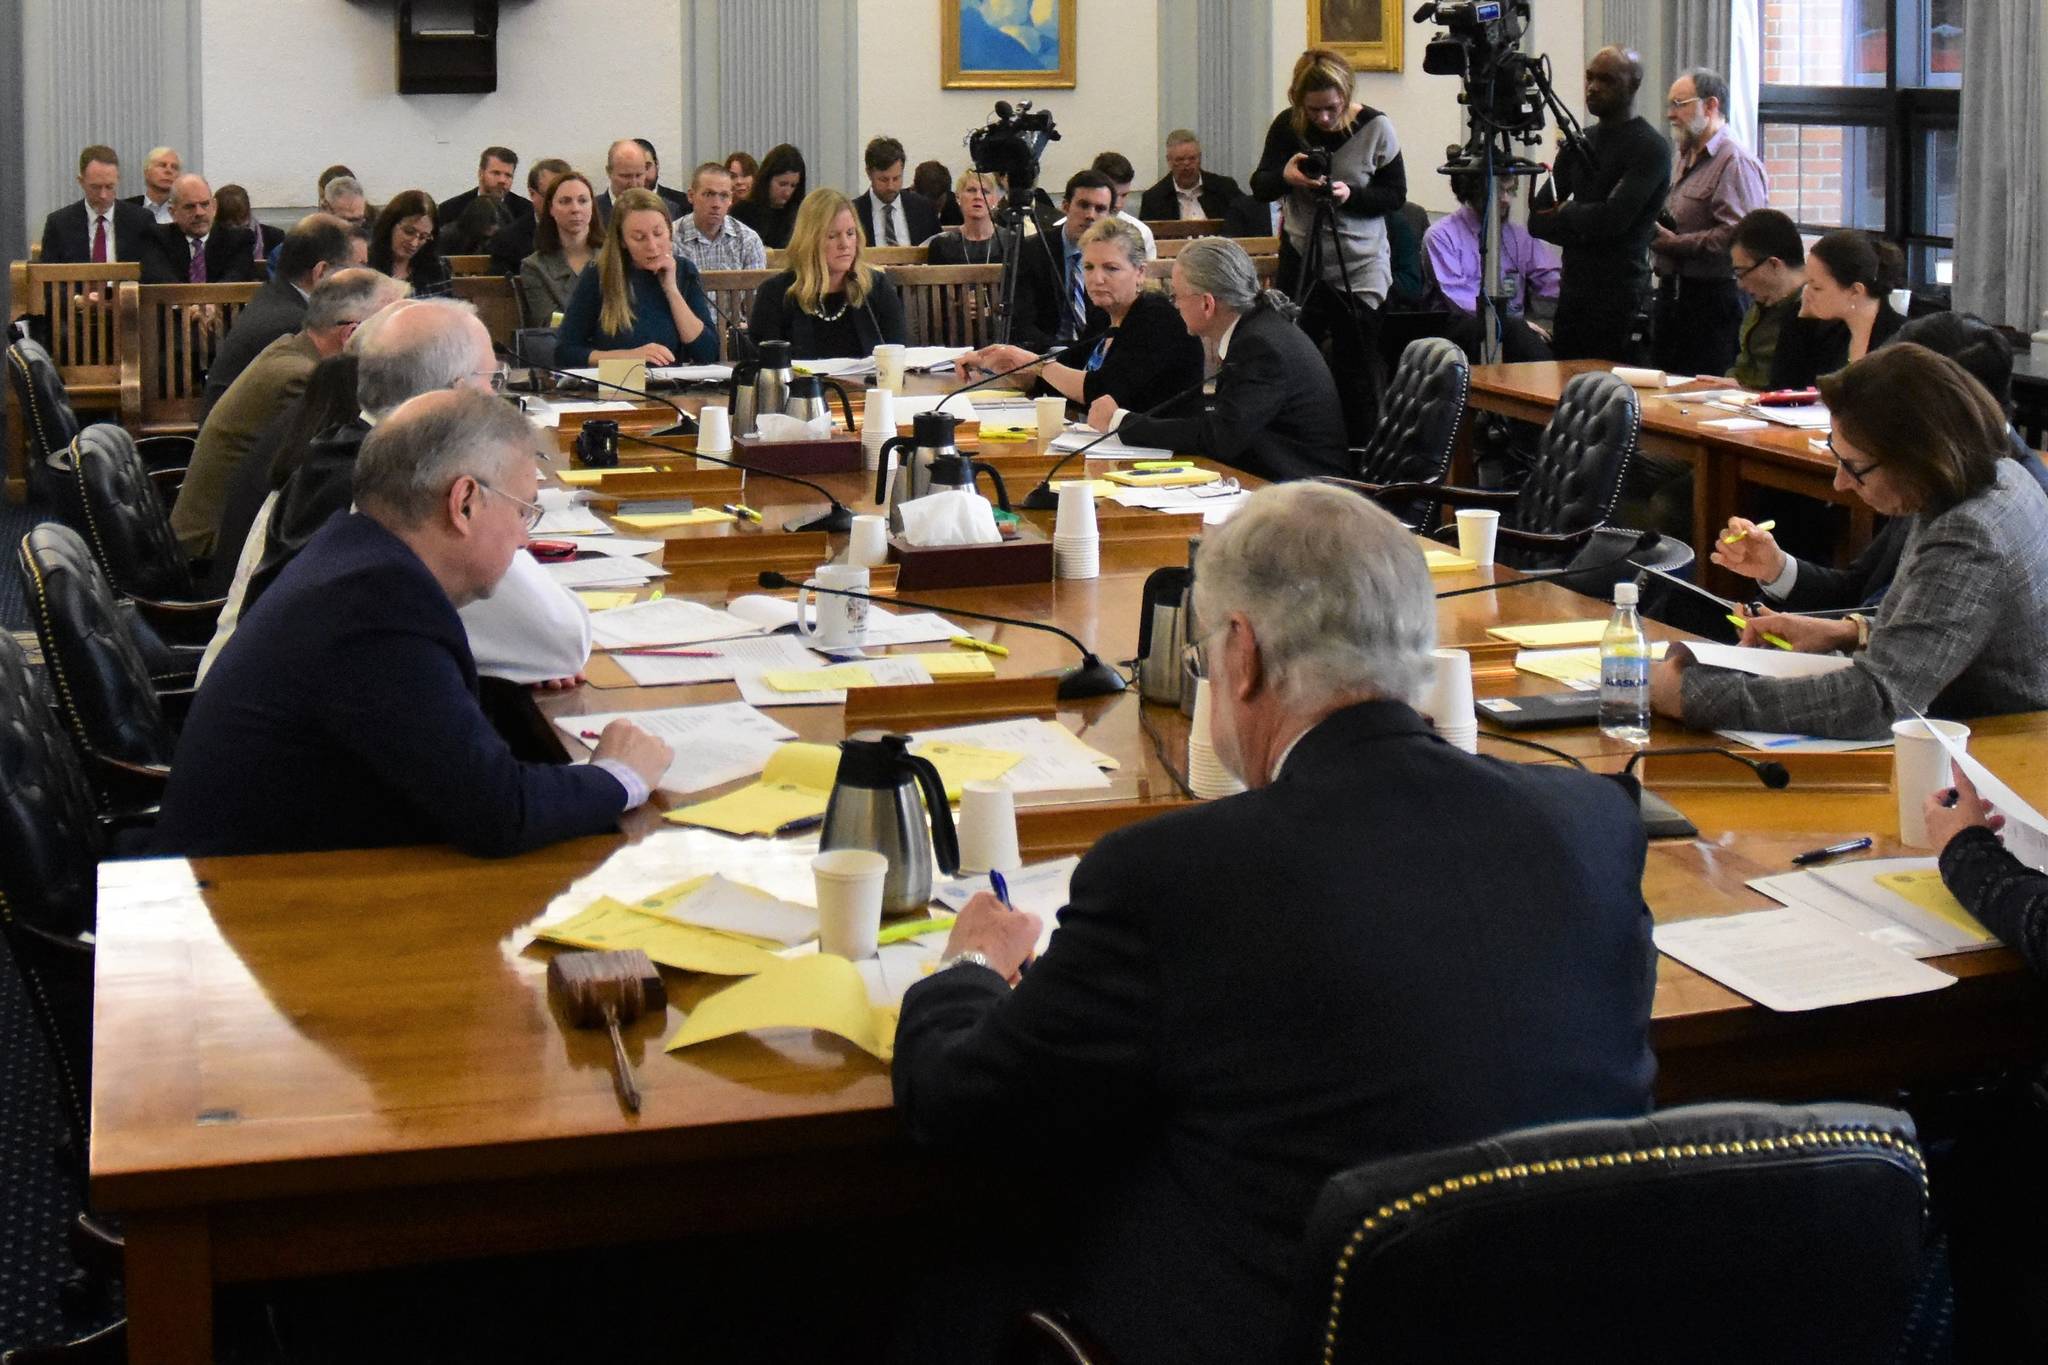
(877, 424)
(1478, 528)
(1078, 557)
(714, 433)
(1077, 511)
(831, 619)
(1448, 701)
(889, 367)
(988, 828)
(1920, 768)
(849, 885)
(867, 544)
(1052, 416)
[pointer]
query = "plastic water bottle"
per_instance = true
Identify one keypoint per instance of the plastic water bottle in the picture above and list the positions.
(1625, 672)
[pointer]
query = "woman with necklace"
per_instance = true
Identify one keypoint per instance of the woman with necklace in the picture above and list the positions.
(977, 241)
(828, 303)
(1849, 278)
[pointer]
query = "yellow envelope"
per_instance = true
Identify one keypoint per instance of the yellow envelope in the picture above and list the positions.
(661, 521)
(757, 808)
(608, 923)
(1555, 635)
(817, 992)
(598, 600)
(959, 764)
(1443, 561)
(973, 664)
(1927, 891)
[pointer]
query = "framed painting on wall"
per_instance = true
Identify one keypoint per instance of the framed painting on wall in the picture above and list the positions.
(1367, 32)
(1007, 44)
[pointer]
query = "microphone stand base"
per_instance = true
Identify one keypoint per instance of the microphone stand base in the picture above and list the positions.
(1090, 678)
(1662, 820)
(676, 429)
(839, 521)
(1041, 499)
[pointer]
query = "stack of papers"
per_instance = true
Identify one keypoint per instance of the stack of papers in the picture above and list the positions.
(731, 907)
(1554, 635)
(1004, 406)
(816, 992)
(1443, 561)
(608, 923)
(1053, 758)
(1896, 903)
(1112, 448)
(1578, 669)
(669, 621)
(1800, 744)
(1795, 959)
(796, 786)
(1808, 417)
(606, 571)
(713, 744)
(1214, 496)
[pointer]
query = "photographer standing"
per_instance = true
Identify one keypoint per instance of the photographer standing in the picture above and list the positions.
(1338, 164)
(1605, 213)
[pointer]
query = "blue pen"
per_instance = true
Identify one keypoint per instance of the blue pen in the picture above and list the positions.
(1001, 887)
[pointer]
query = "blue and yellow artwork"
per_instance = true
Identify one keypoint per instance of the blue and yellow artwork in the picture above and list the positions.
(1012, 44)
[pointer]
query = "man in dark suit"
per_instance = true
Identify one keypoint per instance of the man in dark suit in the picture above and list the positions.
(190, 250)
(625, 168)
(344, 712)
(494, 171)
(514, 241)
(1275, 412)
(318, 245)
(678, 202)
(889, 214)
(1386, 945)
(1051, 303)
(100, 226)
(1186, 190)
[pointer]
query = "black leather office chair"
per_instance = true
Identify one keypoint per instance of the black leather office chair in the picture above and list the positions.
(48, 423)
(130, 533)
(1725, 1232)
(1420, 412)
(119, 716)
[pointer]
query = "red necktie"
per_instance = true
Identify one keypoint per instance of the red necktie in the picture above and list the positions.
(197, 274)
(99, 240)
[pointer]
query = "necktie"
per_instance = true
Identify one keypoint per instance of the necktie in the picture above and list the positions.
(197, 273)
(99, 239)
(1078, 292)
(888, 225)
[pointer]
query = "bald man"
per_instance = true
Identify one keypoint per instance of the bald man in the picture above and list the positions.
(189, 250)
(626, 164)
(1604, 213)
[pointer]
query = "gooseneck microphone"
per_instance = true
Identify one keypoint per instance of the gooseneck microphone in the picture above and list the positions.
(684, 424)
(1089, 678)
(1661, 819)
(1770, 772)
(839, 518)
(991, 378)
(1643, 543)
(1043, 499)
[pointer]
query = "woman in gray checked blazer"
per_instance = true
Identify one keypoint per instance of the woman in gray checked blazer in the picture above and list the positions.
(1964, 629)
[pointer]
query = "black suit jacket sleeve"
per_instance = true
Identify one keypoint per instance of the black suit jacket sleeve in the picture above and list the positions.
(1254, 387)
(1153, 358)
(1071, 1054)
(1823, 587)
(1040, 299)
(1282, 145)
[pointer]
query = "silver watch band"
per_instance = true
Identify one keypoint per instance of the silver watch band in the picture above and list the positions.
(978, 959)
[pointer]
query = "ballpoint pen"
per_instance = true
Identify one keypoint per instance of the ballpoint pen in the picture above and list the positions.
(1000, 887)
(741, 510)
(1816, 855)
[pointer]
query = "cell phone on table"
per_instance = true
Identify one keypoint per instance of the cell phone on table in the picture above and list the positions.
(552, 550)
(1787, 398)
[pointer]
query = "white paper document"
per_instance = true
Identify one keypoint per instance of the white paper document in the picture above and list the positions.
(1040, 888)
(1113, 448)
(1005, 407)
(1054, 760)
(1800, 744)
(1851, 894)
(896, 967)
(1766, 663)
(2026, 830)
(605, 571)
(1807, 417)
(1203, 498)
(1794, 959)
(900, 670)
(624, 547)
(573, 520)
(666, 621)
(667, 670)
(736, 908)
(713, 744)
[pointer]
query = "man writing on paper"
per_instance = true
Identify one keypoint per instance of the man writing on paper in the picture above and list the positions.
(1248, 996)
(344, 714)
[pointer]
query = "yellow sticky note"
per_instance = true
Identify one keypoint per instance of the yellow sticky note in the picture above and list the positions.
(1100, 488)
(1166, 479)
(1926, 890)
(757, 808)
(959, 764)
(613, 924)
(1572, 665)
(1555, 635)
(818, 679)
(599, 600)
(817, 991)
(1443, 561)
(591, 478)
(974, 665)
(662, 521)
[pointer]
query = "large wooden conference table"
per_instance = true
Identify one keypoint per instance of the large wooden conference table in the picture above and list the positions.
(315, 1063)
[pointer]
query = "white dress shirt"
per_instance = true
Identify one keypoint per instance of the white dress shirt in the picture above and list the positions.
(892, 224)
(161, 212)
(1190, 200)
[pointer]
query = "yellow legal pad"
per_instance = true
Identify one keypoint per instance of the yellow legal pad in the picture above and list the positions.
(590, 478)
(599, 600)
(857, 675)
(1572, 665)
(797, 783)
(1555, 635)
(1928, 892)
(608, 923)
(1443, 561)
(1100, 488)
(1132, 478)
(662, 521)
(816, 991)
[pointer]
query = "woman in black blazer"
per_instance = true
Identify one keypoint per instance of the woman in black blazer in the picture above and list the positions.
(402, 244)
(1147, 354)
(1849, 278)
(828, 303)
(771, 206)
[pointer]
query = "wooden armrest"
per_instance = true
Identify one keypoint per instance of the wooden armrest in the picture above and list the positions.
(182, 623)
(1547, 540)
(1474, 497)
(176, 702)
(159, 452)
(1045, 1338)
(132, 788)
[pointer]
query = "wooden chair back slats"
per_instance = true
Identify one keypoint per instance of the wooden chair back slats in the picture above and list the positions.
(74, 311)
(949, 305)
(732, 297)
(497, 302)
(180, 326)
(462, 266)
(778, 257)
(1164, 229)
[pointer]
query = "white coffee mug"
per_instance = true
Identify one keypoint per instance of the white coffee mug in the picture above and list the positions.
(1920, 768)
(867, 544)
(889, 367)
(833, 620)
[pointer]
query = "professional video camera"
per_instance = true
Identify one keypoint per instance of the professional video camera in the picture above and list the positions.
(1011, 143)
(1504, 86)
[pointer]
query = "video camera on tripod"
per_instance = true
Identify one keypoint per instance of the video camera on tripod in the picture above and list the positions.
(1009, 145)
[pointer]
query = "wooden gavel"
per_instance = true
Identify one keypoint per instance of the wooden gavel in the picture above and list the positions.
(605, 990)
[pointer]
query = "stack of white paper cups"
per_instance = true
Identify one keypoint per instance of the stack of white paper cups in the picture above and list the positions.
(1207, 777)
(1448, 700)
(1076, 543)
(988, 828)
(714, 434)
(877, 424)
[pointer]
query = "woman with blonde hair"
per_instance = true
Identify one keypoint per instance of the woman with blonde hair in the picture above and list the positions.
(828, 303)
(1146, 356)
(977, 241)
(642, 301)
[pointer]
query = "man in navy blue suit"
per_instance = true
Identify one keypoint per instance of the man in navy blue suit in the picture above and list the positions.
(1384, 946)
(344, 712)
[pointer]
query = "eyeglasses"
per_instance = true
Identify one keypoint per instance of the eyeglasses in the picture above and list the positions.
(1855, 474)
(534, 511)
(1744, 272)
(1195, 658)
(500, 376)
(413, 234)
(1680, 104)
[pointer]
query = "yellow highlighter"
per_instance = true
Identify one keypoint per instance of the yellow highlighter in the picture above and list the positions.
(1738, 535)
(1742, 622)
(915, 928)
(985, 646)
(1159, 466)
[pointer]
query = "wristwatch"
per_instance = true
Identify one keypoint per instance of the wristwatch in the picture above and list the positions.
(978, 959)
(1862, 630)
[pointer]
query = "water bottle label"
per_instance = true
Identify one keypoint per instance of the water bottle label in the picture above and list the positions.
(1624, 673)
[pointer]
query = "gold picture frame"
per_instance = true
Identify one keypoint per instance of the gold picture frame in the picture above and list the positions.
(1366, 32)
(976, 66)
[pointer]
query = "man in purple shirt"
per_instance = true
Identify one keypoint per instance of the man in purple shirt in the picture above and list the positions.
(1529, 270)
(1716, 182)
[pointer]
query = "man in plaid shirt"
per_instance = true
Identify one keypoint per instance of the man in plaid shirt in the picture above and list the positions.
(708, 235)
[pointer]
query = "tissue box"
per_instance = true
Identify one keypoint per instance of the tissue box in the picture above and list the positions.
(1027, 559)
(839, 454)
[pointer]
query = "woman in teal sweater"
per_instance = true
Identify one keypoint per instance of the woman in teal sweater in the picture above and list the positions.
(638, 300)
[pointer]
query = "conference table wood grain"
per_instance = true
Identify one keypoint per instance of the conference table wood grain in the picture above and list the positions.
(1725, 463)
(316, 1063)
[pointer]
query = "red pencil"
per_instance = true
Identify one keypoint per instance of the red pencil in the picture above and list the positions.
(671, 653)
